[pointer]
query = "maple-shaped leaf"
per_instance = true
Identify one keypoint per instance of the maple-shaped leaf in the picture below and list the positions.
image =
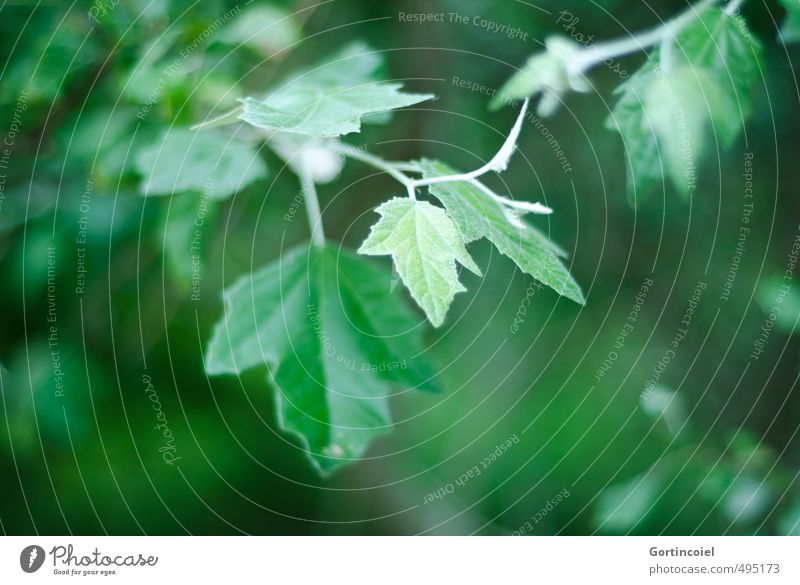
(425, 245)
(184, 160)
(335, 341)
(668, 115)
(479, 216)
(330, 99)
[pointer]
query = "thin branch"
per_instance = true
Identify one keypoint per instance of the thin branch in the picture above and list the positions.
(498, 163)
(392, 169)
(312, 209)
(221, 120)
(587, 58)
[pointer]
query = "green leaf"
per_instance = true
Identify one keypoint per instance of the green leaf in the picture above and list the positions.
(663, 115)
(479, 216)
(147, 80)
(725, 49)
(184, 160)
(266, 29)
(679, 107)
(779, 298)
(184, 227)
(425, 245)
(334, 338)
(623, 505)
(60, 58)
(644, 168)
(545, 73)
(660, 402)
(330, 99)
(44, 396)
(790, 33)
(357, 63)
(748, 499)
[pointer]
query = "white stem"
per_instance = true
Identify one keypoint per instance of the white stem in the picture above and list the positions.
(406, 167)
(312, 209)
(499, 161)
(221, 120)
(587, 58)
(392, 169)
(524, 206)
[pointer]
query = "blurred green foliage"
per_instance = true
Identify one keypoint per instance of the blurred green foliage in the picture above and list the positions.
(87, 88)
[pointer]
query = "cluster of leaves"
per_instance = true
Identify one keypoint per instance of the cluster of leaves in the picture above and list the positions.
(694, 88)
(85, 94)
(323, 319)
(740, 482)
(132, 134)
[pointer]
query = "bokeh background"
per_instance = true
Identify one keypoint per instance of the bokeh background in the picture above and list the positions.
(711, 449)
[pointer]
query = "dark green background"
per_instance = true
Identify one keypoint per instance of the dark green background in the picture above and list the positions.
(88, 462)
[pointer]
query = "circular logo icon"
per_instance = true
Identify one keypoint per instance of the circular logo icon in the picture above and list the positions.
(31, 558)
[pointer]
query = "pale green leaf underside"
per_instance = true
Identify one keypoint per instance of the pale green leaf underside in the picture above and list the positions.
(334, 339)
(185, 160)
(330, 99)
(664, 116)
(325, 111)
(479, 216)
(355, 64)
(425, 245)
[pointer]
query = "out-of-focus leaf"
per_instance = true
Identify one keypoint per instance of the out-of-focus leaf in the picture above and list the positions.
(660, 402)
(621, 506)
(184, 160)
(790, 33)
(43, 72)
(45, 397)
(330, 99)
(334, 338)
(157, 71)
(185, 222)
(26, 200)
(747, 500)
(789, 524)
(308, 156)
(267, 29)
(780, 298)
(664, 114)
(545, 73)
